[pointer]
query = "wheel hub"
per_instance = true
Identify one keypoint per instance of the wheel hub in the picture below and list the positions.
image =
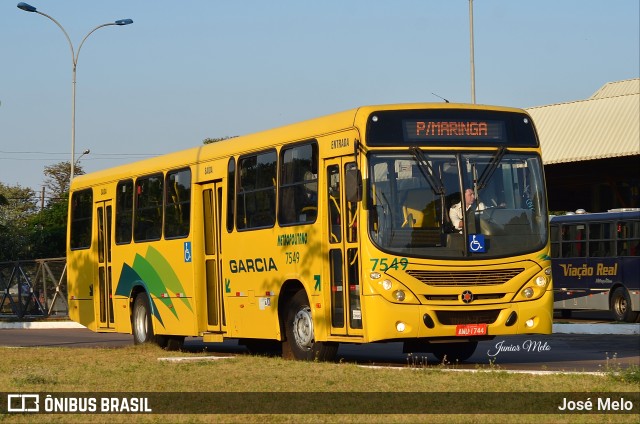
(303, 328)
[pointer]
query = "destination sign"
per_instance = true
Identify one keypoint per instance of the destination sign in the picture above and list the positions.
(420, 130)
(450, 127)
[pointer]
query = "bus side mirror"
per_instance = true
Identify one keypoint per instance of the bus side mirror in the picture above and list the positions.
(353, 184)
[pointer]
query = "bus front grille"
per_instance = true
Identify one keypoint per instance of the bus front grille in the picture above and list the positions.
(456, 297)
(468, 317)
(465, 278)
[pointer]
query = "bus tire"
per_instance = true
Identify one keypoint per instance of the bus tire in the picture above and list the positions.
(141, 324)
(262, 347)
(170, 343)
(453, 352)
(620, 305)
(300, 343)
(565, 313)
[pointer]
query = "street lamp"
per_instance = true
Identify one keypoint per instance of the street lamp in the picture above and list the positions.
(74, 59)
(85, 152)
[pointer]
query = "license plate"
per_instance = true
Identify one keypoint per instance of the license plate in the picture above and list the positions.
(471, 330)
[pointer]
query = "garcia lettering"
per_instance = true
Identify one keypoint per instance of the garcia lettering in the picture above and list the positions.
(252, 265)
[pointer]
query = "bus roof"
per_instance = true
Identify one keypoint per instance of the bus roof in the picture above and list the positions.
(630, 213)
(300, 131)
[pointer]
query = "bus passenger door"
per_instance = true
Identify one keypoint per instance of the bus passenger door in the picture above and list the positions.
(212, 204)
(103, 298)
(343, 259)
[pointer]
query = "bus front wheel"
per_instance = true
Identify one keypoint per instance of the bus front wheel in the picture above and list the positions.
(301, 343)
(621, 306)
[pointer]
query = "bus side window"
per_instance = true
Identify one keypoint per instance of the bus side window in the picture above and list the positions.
(298, 189)
(600, 240)
(555, 241)
(148, 208)
(177, 211)
(124, 212)
(81, 219)
(574, 241)
(567, 250)
(256, 196)
(628, 238)
(231, 190)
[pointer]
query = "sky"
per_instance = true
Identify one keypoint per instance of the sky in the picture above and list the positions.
(185, 71)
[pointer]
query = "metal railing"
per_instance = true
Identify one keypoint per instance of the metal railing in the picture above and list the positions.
(34, 288)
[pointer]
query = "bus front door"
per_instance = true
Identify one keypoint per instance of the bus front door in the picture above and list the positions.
(212, 204)
(342, 252)
(104, 296)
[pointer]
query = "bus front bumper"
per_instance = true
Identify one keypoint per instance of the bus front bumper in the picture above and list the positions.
(395, 321)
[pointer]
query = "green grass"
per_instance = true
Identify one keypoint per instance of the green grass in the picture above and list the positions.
(136, 369)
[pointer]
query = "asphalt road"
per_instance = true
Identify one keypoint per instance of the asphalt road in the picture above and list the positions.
(555, 352)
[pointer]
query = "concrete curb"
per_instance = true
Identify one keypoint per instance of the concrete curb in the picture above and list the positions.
(40, 325)
(600, 328)
(622, 329)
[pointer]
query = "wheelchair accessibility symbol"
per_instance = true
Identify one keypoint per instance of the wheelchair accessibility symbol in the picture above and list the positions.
(476, 243)
(187, 251)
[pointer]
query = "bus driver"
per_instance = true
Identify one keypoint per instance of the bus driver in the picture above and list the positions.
(455, 213)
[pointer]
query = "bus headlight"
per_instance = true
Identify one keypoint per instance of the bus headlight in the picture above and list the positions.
(541, 281)
(395, 292)
(399, 295)
(386, 284)
(400, 326)
(528, 292)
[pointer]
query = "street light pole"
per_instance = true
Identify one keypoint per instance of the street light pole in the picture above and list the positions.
(473, 66)
(74, 59)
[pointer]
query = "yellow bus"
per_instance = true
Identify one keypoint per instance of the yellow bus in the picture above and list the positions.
(347, 228)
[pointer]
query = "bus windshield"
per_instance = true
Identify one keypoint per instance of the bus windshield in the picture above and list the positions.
(417, 198)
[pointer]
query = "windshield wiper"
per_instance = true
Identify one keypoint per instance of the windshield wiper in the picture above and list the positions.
(427, 170)
(491, 168)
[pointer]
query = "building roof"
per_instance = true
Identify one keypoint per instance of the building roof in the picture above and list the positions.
(618, 88)
(605, 125)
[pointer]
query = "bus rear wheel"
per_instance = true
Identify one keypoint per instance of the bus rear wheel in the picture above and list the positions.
(453, 352)
(142, 326)
(141, 320)
(621, 306)
(301, 343)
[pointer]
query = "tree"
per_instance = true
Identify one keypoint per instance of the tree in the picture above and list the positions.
(17, 204)
(48, 230)
(57, 178)
(215, 140)
(27, 232)
(20, 203)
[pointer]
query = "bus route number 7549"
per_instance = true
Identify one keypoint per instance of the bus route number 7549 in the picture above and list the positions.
(383, 264)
